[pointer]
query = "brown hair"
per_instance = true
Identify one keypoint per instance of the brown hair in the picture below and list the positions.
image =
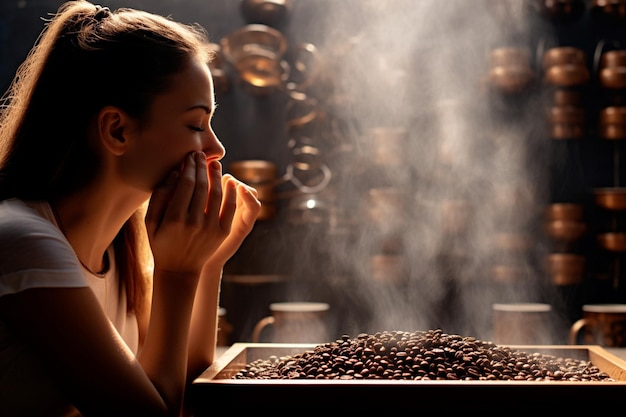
(88, 57)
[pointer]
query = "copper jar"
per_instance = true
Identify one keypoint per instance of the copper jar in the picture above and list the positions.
(612, 123)
(610, 198)
(262, 175)
(565, 67)
(510, 69)
(567, 122)
(566, 268)
(612, 72)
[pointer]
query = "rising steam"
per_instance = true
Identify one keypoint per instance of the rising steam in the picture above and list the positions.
(454, 167)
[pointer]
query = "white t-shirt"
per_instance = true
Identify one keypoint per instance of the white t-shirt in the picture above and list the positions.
(34, 253)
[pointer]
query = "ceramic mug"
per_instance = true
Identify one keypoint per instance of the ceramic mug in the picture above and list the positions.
(601, 324)
(294, 322)
(522, 323)
(224, 328)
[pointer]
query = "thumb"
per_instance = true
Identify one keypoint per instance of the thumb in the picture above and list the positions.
(160, 200)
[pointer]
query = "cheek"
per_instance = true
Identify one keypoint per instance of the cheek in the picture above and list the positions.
(148, 164)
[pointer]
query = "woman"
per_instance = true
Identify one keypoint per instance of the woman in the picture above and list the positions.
(107, 308)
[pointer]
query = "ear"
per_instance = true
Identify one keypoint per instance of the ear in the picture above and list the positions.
(113, 123)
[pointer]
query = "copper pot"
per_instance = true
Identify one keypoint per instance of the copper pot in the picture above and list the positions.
(564, 97)
(509, 56)
(564, 55)
(614, 242)
(252, 39)
(567, 122)
(564, 211)
(565, 67)
(612, 123)
(268, 12)
(262, 74)
(616, 58)
(567, 131)
(613, 69)
(613, 114)
(262, 176)
(254, 170)
(567, 114)
(611, 198)
(566, 268)
(612, 131)
(567, 75)
(568, 231)
(613, 77)
(511, 79)
(510, 69)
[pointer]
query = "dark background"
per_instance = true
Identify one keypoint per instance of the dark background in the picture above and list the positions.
(285, 261)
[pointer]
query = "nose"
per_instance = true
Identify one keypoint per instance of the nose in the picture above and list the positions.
(212, 146)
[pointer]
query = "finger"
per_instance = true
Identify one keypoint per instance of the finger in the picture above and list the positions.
(181, 197)
(247, 199)
(248, 204)
(229, 203)
(198, 203)
(229, 177)
(159, 201)
(214, 203)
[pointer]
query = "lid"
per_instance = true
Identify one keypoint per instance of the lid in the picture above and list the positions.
(299, 307)
(523, 307)
(605, 308)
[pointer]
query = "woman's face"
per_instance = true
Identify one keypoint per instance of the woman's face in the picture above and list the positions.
(179, 122)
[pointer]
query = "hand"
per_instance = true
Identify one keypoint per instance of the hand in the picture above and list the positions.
(248, 208)
(190, 216)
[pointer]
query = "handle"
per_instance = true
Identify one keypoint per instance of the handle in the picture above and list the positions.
(305, 188)
(258, 328)
(597, 54)
(305, 68)
(576, 328)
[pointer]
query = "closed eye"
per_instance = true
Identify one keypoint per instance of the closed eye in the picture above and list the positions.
(197, 129)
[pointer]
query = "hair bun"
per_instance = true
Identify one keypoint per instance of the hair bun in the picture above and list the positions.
(101, 13)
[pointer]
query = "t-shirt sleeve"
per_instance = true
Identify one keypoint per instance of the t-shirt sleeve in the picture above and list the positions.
(34, 254)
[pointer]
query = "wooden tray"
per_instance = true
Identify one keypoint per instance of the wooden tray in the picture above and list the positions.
(333, 396)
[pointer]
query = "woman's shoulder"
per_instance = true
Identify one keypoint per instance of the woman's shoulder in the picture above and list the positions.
(22, 219)
(33, 250)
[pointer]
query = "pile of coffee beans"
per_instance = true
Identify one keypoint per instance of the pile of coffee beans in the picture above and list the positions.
(420, 355)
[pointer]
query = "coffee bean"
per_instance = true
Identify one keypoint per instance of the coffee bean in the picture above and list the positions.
(420, 355)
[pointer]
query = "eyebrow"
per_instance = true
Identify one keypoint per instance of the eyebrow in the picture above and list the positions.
(206, 108)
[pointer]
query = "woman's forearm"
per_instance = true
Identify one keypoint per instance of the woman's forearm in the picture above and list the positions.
(204, 321)
(165, 351)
